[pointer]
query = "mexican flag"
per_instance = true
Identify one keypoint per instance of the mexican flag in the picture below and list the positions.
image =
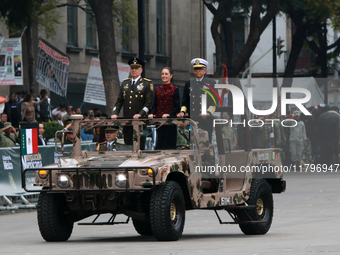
(274, 155)
(29, 141)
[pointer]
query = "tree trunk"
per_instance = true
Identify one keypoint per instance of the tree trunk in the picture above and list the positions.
(258, 24)
(297, 44)
(102, 10)
(218, 45)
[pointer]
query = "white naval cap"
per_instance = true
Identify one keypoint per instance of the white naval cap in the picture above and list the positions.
(199, 62)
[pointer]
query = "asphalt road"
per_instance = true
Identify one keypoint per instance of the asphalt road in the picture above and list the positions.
(306, 221)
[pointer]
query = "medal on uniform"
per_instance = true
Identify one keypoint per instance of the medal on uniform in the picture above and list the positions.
(140, 86)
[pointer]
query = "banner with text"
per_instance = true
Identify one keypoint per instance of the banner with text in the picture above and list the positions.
(11, 61)
(95, 92)
(52, 68)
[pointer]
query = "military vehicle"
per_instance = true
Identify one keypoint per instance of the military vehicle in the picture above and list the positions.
(154, 188)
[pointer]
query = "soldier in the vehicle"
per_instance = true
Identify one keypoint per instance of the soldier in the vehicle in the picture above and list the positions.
(111, 142)
(183, 136)
(136, 96)
(8, 135)
(228, 133)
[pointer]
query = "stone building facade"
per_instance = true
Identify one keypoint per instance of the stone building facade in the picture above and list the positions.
(174, 34)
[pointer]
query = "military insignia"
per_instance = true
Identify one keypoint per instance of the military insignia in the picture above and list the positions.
(140, 86)
(197, 62)
(126, 86)
(151, 87)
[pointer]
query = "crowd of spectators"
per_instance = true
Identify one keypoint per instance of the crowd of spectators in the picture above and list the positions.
(22, 106)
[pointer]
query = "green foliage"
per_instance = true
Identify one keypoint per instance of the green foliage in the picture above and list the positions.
(125, 15)
(51, 128)
(21, 12)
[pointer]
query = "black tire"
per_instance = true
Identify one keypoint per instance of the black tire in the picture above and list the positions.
(143, 228)
(141, 205)
(52, 220)
(167, 212)
(261, 196)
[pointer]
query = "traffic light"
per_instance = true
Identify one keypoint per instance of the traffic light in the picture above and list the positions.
(280, 46)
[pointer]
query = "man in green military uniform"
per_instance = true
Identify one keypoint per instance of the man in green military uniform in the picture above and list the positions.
(136, 96)
(183, 136)
(111, 142)
(8, 136)
(228, 133)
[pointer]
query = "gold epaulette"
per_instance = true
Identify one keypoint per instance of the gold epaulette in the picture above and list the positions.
(120, 143)
(147, 79)
(127, 79)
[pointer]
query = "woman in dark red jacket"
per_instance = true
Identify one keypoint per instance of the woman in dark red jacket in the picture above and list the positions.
(166, 104)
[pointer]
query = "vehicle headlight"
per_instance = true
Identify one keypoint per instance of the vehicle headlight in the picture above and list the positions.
(121, 180)
(63, 181)
(42, 174)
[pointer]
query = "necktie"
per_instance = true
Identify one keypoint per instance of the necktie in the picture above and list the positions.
(42, 140)
(133, 83)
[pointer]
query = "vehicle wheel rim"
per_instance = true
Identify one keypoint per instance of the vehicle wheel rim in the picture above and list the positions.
(173, 212)
(259, 206)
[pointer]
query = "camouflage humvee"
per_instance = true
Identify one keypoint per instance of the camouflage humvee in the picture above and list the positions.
(155, 187)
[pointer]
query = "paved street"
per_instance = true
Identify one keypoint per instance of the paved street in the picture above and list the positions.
(306, 221)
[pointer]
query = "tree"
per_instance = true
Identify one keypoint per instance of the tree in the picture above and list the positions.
(258, 22)
(261, 13)
(123, 13)
(310, 18)
(29, 13)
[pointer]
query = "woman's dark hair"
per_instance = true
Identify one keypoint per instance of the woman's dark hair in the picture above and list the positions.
(27, 98)
(169, 69)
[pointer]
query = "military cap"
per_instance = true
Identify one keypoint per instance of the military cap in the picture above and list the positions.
(68, 121)
(91, 114)
(7, 125)
(136, 62)
(111, 129)
(69, 131)
(296, 113)
(199, 62)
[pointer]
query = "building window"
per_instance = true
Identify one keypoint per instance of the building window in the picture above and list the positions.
(71, 25)
(159, 24)
(125, 35)
(90, 29)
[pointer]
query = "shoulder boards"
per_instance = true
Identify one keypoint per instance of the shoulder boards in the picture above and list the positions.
(147, 79)
(120, 143)
(127, 79)
(102, 143)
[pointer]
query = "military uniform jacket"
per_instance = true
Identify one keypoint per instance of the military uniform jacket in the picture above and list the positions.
(8, 140)
(135, 100)
(103, 146)
(191, 102)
